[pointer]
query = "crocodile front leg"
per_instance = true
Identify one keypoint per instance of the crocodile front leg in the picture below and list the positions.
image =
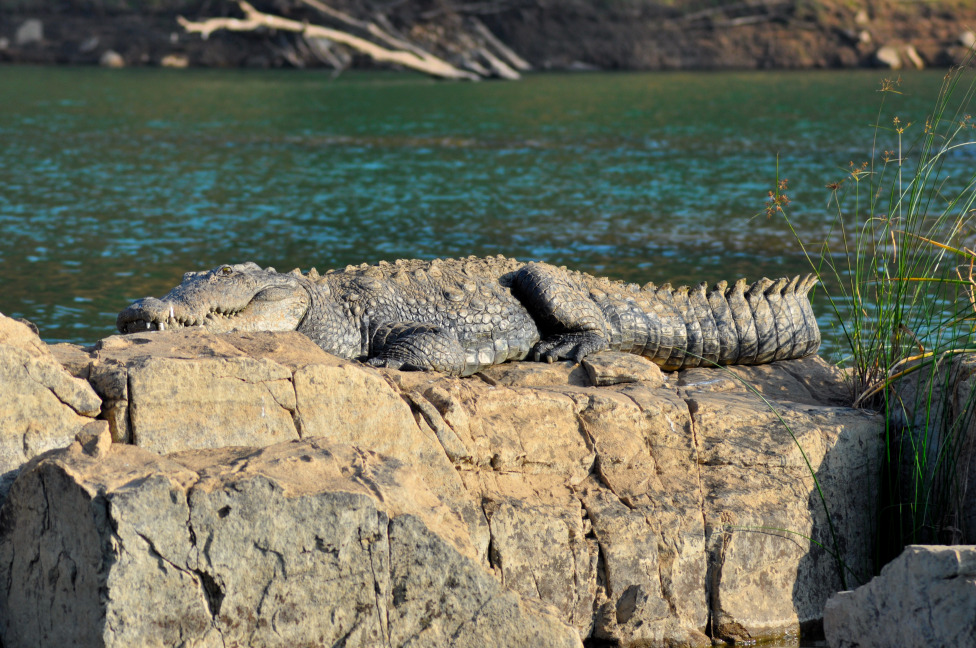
(413, 346)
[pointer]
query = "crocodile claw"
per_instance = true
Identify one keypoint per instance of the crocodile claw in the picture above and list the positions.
(384, 363)
(569, 346)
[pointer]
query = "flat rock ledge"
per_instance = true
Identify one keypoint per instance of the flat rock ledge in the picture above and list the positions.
(933, 586)
(250, 489)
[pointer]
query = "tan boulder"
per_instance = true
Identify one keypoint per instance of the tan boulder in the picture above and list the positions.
(179, 61)
(105, 366)
(888, 56)
(302, 543)
(111, 59)
(763, 471)
(536, 374)
(208, 403)
(41, 405)
(528, 432)
(811, 381)
(189, 389)
(648, 509)
(897, 57)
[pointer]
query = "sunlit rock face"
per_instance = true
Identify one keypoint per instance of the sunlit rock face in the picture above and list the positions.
(257, 482)
(41, 405)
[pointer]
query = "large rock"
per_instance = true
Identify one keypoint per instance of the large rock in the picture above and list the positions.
(780, 497)
(190, 389)
(307, 543)
(924, 598)
(691, 488)
(651, 510)
(41, 405)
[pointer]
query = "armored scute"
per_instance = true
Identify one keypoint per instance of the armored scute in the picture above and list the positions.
(462, 315)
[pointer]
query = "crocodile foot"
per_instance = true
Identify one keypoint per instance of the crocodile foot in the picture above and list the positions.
(569, 346)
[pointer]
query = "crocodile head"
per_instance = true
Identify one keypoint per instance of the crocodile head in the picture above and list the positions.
(228, 298)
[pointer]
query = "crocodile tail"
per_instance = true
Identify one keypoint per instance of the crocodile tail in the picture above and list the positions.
(738, 324)
(772, 320)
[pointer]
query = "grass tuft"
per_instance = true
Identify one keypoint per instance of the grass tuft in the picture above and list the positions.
(897, 269)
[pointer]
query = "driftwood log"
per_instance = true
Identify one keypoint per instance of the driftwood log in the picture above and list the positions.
(478, 52)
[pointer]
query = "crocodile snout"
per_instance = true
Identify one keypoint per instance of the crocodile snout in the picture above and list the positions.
(147, 314)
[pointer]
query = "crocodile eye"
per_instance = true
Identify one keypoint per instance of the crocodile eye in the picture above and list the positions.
(226, 270)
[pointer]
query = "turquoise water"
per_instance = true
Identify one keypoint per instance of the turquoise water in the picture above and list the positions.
(115, 182)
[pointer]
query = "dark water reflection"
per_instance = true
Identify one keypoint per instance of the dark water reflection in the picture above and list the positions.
(114, 183)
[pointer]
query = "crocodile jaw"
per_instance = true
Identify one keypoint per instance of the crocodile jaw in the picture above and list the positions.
(228, 298)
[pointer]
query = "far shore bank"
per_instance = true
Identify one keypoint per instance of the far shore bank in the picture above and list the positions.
(491, 41)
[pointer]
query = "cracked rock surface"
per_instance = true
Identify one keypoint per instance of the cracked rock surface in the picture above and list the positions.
(41, 405)
(262, 492)
(303, 543)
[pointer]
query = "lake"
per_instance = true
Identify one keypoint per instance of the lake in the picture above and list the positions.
(113, 183)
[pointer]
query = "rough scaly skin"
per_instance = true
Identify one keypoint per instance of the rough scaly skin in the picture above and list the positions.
(462, 315)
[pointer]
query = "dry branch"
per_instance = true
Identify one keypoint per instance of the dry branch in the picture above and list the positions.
(503, 50)
(254, 19)
(498, 66)
(373, 29)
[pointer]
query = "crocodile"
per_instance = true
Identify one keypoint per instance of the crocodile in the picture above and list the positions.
(460, 316)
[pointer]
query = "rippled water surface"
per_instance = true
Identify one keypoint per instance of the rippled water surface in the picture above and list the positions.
(113, 183)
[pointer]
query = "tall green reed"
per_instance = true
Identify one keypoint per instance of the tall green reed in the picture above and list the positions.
(897, 269)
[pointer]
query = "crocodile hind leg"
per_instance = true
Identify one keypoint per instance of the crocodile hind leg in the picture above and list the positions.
(675, 328)
(412, 346)
(572, 325)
